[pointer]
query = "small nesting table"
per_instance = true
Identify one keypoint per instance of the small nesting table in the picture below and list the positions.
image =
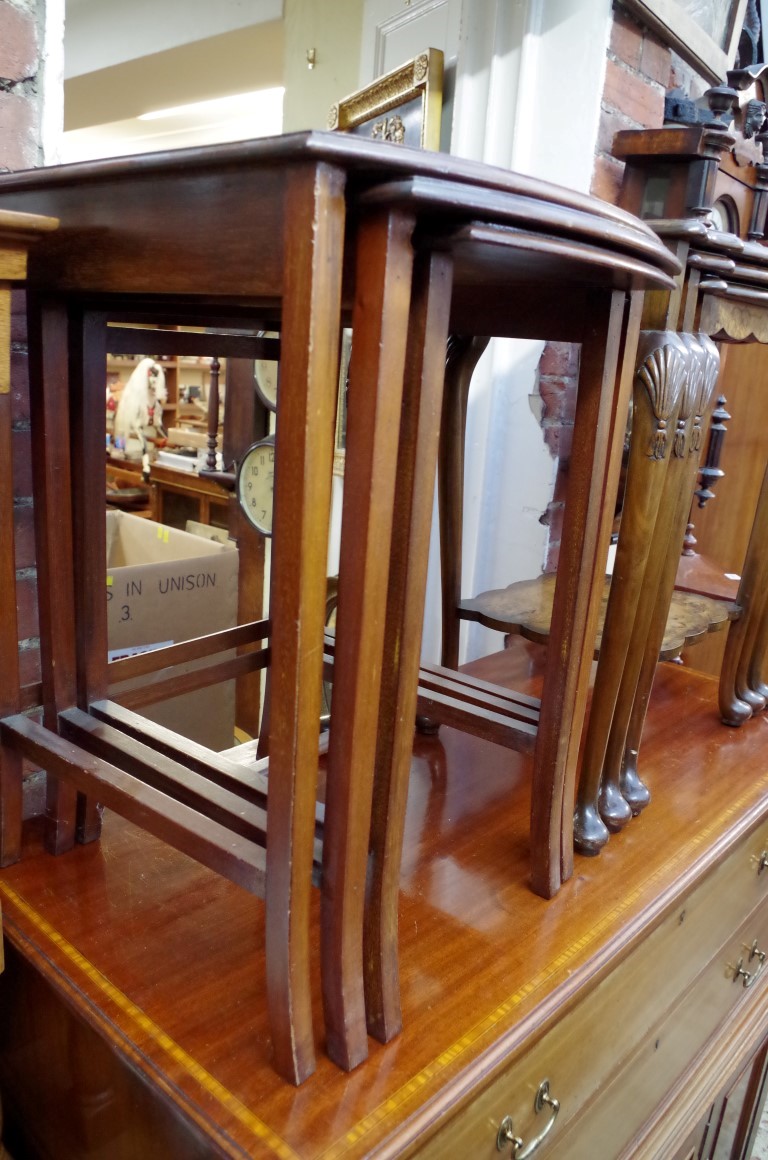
(311, 230)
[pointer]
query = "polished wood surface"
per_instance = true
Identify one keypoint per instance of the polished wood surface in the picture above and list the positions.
(166, 960)
(526, 607)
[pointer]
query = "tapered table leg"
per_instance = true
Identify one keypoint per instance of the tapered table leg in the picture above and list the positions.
(603, 400)
(379, 328)
(49, 405)
(314, 241)
(405, 609)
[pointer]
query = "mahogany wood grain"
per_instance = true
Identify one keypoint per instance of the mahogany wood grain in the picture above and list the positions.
(87, 360)
(757, 668)
(313, 237)
(128, 668)
(445, 697)
(374, 397)
(400, 677)
(734, 705)
(54, 552)
(186, 679)
(208, 841)
(242, 348)
(487, 968)
(250, 784)
(164, 774)
(10, 763)
(607, 369)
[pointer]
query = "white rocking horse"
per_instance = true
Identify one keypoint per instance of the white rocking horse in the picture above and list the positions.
(141, 406)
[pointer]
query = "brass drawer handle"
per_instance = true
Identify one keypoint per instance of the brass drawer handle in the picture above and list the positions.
(506, 1134)
(749, 977)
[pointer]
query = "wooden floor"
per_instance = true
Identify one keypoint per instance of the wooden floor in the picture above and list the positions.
(166, 960)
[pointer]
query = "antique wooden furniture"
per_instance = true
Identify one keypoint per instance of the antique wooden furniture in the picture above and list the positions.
(18, 231)
(178, 496)
(433, 241)
(724, 295)
(626, 992)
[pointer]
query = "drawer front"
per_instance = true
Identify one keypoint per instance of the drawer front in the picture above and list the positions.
(667, 1053)
(583, 1051)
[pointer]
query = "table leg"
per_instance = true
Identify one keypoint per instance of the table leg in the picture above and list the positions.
(10, 762)
(88, 360)
(601, 410)
(49, 404)
(734, 707)
(651, 618)
(379, 327)
(314, 243)
(417, 461)
(658, 395)
(757, 674)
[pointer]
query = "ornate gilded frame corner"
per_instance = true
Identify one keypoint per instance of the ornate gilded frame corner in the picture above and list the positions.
(403, 106)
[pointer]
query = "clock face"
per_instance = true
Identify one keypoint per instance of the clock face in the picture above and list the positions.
(256, 483)
(266, 375)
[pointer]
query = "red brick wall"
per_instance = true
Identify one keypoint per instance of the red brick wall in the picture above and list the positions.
(639, 70)
(19, 85)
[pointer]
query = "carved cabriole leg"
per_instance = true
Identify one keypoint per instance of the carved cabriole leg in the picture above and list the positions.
(743, 633)
(657, 398)
(462, 357)
(10, 761)
(636, 688)
(314, 239)
(757, 662)
(49, 407)
(380, 326)
(601, 410)
(405, 608)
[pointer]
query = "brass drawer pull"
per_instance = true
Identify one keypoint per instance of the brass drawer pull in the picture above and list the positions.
(506, 1134)
(749, 977)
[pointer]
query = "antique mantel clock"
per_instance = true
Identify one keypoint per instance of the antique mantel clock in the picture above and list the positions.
(255, 484)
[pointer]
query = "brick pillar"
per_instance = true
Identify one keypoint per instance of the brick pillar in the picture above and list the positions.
(639, 70)
(20, 100)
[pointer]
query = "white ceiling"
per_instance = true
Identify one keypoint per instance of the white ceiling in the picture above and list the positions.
(101, 33)
(113, 50)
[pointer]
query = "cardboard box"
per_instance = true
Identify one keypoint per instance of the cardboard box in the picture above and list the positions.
(165, 586)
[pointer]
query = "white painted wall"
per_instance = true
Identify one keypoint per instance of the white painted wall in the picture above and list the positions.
(110, 32)
(51, 30)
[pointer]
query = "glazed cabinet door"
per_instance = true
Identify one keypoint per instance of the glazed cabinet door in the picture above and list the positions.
(730, 1127)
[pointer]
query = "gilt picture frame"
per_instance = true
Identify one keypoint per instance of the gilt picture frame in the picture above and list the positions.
(402, 106)
(705, 33)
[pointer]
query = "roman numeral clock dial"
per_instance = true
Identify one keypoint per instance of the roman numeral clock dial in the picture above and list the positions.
(256, 484)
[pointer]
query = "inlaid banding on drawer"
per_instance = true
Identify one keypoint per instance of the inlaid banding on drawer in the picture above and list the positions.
(597, 1037)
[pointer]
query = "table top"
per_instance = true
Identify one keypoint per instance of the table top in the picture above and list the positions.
(166, 959)
(210, 221)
